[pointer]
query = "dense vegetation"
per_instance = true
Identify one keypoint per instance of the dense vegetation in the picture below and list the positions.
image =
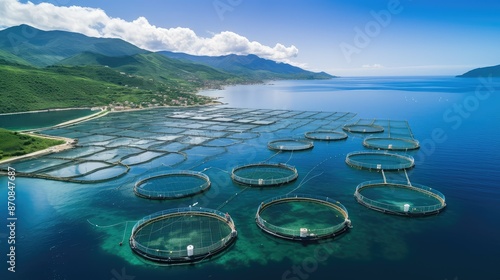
(25, 88)
(16, 144)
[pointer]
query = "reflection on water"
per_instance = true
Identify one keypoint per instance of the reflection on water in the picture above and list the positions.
(27, 121)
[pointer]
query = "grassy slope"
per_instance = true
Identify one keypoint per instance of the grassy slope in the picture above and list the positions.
(7, 56)
(162, 70)
(25, 88)
(16, 144)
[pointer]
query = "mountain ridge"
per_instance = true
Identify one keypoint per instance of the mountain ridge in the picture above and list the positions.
(43, 48)
(493, 71)
(248, 64)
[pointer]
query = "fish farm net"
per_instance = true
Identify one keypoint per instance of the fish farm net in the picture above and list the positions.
(264, 174)
(290, 145)
(172, 184)
(182, 235)
(400, 198)
(302, 217)
(325, 135)
(379, 160)
(363, 128)
(397, 136)
(386, 143)
(122, 143)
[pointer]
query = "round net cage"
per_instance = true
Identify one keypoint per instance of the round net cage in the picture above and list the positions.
(363, 128)
(400, 198)
(290, 145)
(182, 235)
(302, 217)
(379, 160)
(172, 184)
(264, 174)
(326, 135)
(387, 143)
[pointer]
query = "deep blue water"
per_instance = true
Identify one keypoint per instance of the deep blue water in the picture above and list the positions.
(455, 120)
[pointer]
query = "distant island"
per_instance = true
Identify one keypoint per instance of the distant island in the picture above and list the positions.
(491, 71)
(60, 69)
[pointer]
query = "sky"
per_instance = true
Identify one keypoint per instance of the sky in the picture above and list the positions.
(344, 38)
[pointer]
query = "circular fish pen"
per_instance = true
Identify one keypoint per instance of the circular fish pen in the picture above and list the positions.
(290, 145)
(388, 143)
(182, 235)
(379, 160)
(400, 198)
(363, 128)
(302, 217)
(325, 135)
(264, 174)
(172, 184)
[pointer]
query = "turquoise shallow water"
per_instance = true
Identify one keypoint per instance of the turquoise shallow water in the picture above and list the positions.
(72, 231)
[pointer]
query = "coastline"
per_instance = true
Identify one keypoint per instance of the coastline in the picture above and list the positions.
(69, 143)
(49, 110)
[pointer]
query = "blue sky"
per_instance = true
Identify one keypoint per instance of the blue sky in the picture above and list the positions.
(369, 37)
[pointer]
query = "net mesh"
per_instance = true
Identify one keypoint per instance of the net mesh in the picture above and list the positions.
(307, 217)
(165, 236)
(264, 174)
(399, 197)
(173, 184)
(379, 160)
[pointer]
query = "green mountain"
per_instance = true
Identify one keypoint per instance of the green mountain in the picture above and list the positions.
(157, 68)
(43, 48)
(26, 88)
(250, 66)
(6, 56)
(493, 71)
(59, 69)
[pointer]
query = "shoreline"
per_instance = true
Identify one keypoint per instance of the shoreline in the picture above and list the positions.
(69, 144)
(50, 110)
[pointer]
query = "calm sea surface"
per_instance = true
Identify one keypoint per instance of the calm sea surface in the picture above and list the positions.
(25, 121)
(72, 231)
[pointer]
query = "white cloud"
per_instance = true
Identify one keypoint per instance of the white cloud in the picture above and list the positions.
(372, 66)
(95, 22)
